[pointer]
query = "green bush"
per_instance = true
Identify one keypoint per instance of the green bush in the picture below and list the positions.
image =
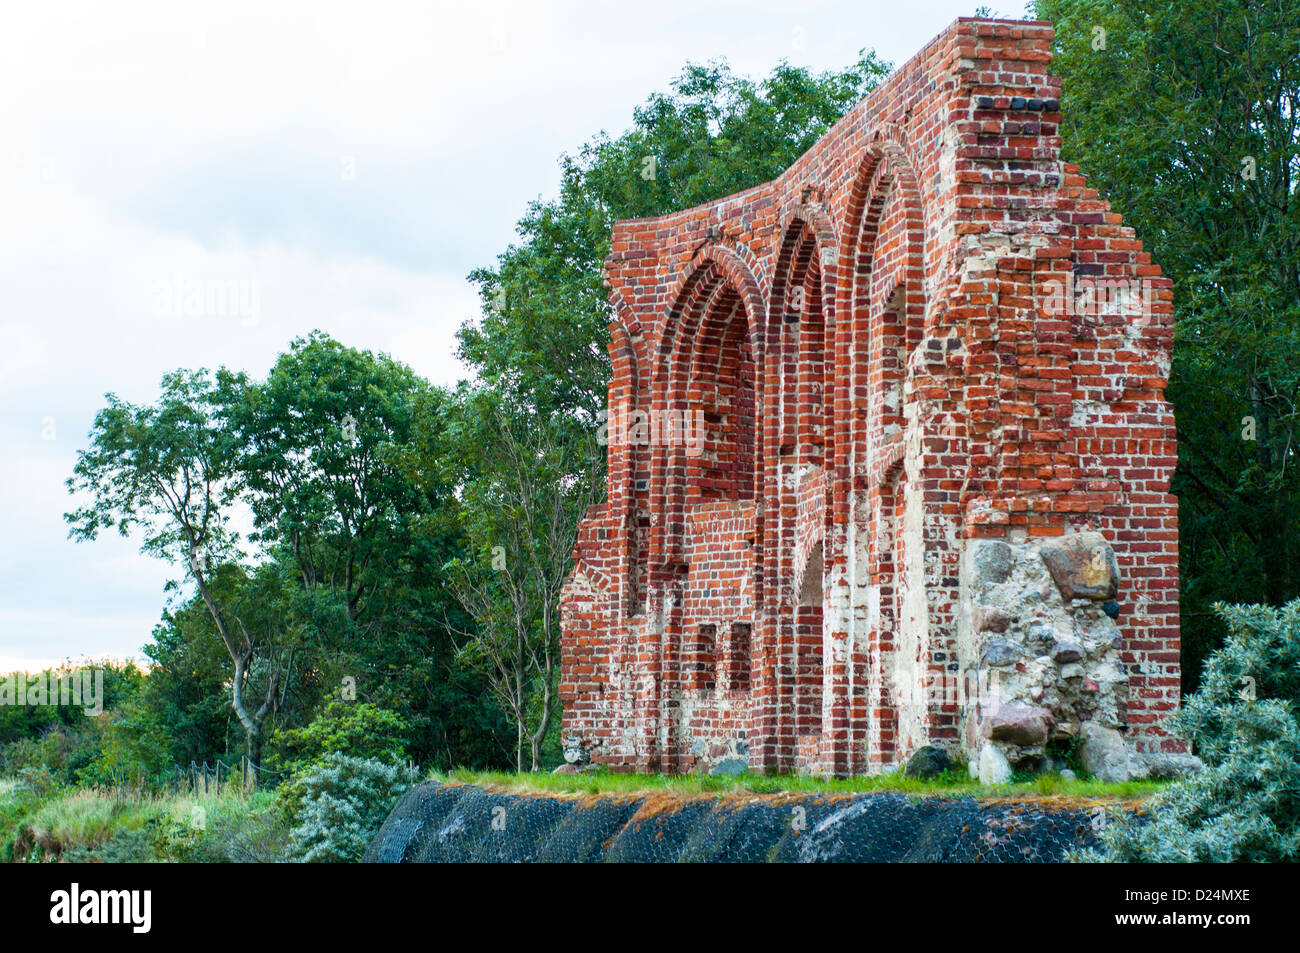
(119, 825)
(234, 828)
(126, 845)
(1242, 722)
(62, 751)
(17, 802)
(361, 730)
(133, 745)
(342, 805)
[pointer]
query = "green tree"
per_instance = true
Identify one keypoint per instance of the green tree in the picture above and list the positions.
(186, 687)
(524, 482)
(323, 440)
(68, 742)
(168, 469)
(317, 440)
(1184, 114)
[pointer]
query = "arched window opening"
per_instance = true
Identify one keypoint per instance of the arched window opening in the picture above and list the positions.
(721, 404)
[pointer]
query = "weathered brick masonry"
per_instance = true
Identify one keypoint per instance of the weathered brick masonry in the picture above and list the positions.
(920, 357)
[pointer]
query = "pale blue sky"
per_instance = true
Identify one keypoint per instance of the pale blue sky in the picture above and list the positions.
(354, 160)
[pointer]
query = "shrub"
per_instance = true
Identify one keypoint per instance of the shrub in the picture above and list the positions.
(1245, 805)
(17, 802)
(228, 828)
(133, 744)
(255, 836)
(361, 730)
(127, 845)
(56, 751)
(342, 805)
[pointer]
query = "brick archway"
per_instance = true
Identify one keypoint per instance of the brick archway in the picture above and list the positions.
(883, 269)
(707, 368)
(798, 381)
(917, 403)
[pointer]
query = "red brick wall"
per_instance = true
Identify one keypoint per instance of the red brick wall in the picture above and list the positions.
(883, 369)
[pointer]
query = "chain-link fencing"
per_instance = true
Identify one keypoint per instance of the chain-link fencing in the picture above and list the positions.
(465, 823)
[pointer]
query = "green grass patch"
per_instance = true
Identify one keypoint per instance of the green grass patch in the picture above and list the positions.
(952, 783)
(82, 820)
(110, 824)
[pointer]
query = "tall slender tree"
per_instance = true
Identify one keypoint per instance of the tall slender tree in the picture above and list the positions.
(168, 469)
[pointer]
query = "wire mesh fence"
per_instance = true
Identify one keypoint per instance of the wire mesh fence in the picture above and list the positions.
(206, 780)
(464, 823)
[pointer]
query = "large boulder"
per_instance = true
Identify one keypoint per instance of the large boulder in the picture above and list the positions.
(991, 560)
(720, 756)
(1083, 566)
(1108, 757)
(729, 766)
(1172, 764)
(1019, 724)
(927, 762)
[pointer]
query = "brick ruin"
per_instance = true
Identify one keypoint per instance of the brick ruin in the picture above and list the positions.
(889, 452)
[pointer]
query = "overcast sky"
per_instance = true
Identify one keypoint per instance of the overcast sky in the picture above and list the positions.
(343, 165)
